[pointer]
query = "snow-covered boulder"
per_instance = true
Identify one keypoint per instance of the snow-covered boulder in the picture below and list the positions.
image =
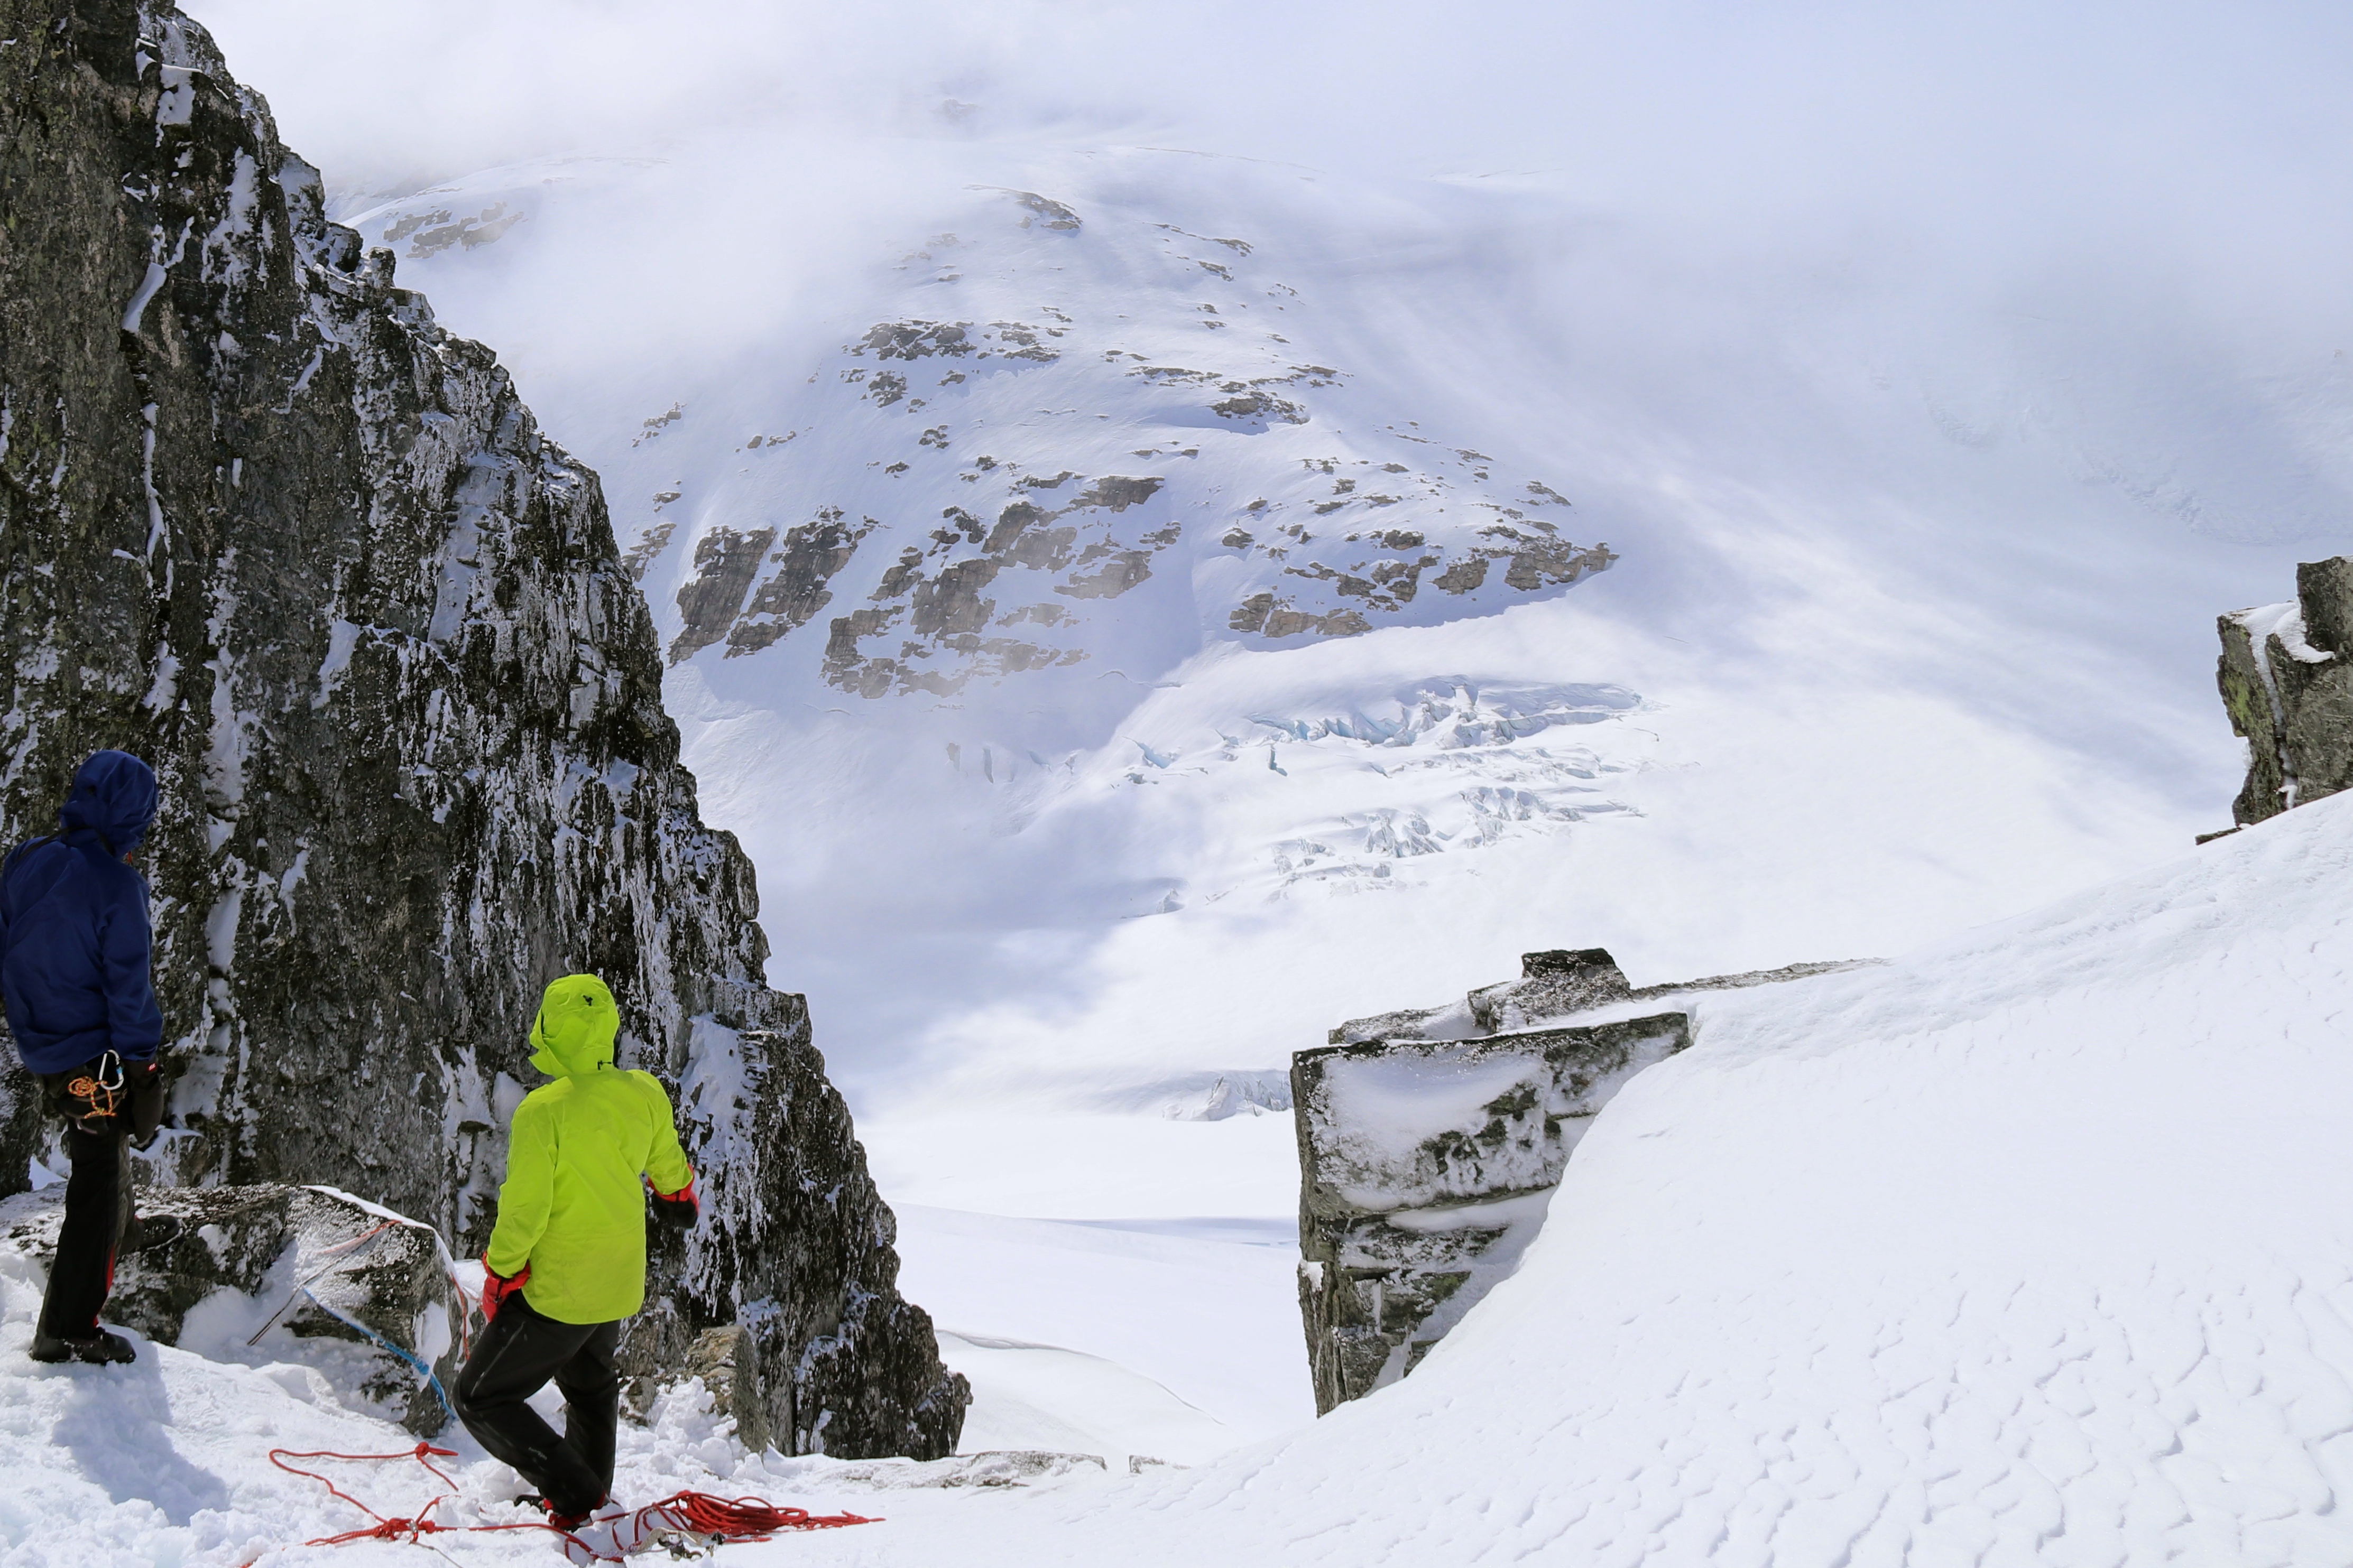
(1430, 1140)
(1556, 984)
(266, 1273)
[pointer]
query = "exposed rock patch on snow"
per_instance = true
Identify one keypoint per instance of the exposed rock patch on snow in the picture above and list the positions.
(1069, 411)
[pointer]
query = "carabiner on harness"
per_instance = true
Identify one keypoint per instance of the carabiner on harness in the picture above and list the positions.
(96, 1097)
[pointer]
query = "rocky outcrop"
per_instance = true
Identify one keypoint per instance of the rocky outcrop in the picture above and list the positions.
(1426, 1168)
(265, 523)
(2288, 690)
(1005, 582)
(728, 1361)
(1430, 1142)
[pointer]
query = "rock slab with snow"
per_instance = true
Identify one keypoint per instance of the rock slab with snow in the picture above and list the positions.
(1430, 1140)
(268, 526)
(1426, 1168)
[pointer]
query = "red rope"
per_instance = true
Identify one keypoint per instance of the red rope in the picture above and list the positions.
(699, 1514)
(750, 1518)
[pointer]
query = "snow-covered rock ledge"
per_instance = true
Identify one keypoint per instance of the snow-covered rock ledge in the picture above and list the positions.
(1430, 1141)
(307, 1279)
(1425, 1171)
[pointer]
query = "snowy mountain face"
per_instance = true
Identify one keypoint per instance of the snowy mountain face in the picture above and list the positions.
(1928, 381)
(1019, 543)
(1070, 447)
(1129, 539)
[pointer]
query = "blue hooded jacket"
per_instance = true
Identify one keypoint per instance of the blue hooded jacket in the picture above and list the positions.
(74, 937)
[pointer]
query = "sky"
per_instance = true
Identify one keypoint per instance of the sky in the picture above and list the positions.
(2017, 133)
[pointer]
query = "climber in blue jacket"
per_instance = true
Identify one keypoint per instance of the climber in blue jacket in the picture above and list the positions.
(74, 975)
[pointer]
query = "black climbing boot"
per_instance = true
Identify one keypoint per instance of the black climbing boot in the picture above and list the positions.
(100, 1349)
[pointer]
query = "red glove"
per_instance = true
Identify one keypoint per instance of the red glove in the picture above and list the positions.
(678, 1210)
(498, 1287)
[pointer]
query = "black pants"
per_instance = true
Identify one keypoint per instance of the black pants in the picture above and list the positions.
(97, 1211)
(514, 1359)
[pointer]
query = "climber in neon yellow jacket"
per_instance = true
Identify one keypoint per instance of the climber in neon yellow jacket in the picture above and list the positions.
(567, 1261)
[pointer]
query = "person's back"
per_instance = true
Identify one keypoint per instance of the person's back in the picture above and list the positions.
(567, 1260)
(74, 953)
(573, 1208)
(74, 938)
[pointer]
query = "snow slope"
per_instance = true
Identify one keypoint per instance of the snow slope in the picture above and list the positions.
(1118, 1315)
(2032, 1247)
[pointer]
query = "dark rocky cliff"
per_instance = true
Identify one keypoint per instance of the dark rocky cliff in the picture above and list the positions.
(2289, 692)
(267, 525)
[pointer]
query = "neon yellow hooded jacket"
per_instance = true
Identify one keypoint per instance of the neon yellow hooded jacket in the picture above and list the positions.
(572, 1208)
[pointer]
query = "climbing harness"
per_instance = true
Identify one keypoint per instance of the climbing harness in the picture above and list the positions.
(91, 1098)
(681, 1513)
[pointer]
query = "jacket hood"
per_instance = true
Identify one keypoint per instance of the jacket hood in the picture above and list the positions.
(575, 1028)
(114, 793)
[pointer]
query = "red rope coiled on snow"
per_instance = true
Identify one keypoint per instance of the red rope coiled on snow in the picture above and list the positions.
(696, 1513)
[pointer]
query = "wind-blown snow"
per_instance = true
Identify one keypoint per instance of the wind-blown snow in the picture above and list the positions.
(2031, 1248)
